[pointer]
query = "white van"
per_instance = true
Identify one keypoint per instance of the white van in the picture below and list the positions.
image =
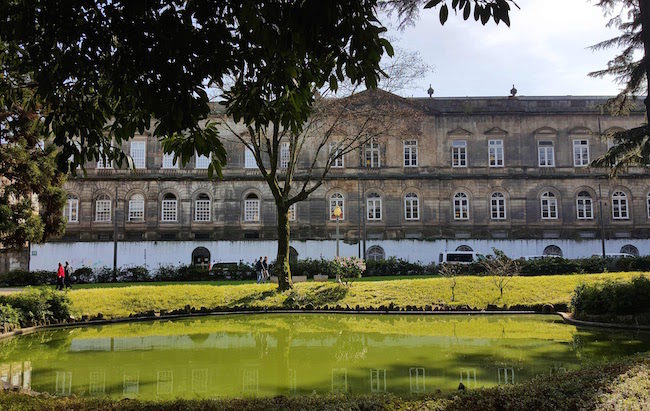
(457, 257)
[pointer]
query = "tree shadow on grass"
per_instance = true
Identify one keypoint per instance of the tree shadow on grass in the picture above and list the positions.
(254, 297)
(319, 296)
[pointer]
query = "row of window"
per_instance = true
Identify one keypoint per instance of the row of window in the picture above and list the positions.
(251, 212)
(372, 157)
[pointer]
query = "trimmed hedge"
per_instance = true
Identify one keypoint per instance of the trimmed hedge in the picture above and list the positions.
(35, 307)
(612, 299)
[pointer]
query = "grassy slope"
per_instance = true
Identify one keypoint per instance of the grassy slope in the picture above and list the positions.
(624, 384)
(476, 292)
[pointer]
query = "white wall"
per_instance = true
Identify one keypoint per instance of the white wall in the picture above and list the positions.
(156, 253)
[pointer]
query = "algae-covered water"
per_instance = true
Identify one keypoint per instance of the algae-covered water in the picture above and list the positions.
(273, 354)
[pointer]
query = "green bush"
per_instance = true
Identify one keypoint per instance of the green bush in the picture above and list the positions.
(612, 298)
(18, 278)
(550, 266)
(394, 266)
(83, 275)
(309, 267)
(9, 317)
(133, 275)
(38, 306)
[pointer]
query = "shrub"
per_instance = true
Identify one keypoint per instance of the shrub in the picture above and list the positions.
(612, 298)
(394, 266)
(133, 274)
(18, 278)
(38, 306)
(308, 267)
(104, 275)
(348, 268)
(550, 266)
(9, 317)
(83, 275)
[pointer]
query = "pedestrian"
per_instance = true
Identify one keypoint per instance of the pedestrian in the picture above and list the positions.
(60, 277)
(68, 275)
(265, 266)
(259, 269)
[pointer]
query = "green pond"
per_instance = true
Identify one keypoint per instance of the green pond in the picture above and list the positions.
(272, 354)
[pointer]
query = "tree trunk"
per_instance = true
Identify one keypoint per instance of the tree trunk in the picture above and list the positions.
(281, 267)
(644, 10)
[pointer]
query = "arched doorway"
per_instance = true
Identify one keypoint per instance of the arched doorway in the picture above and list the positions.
(201, 257)
(293, 255)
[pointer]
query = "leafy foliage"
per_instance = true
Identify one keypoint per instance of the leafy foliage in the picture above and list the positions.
(612, 298)
(38, 306)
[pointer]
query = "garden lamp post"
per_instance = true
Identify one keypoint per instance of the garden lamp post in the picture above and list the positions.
(337, 214)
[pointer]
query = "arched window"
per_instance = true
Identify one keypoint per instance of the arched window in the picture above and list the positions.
(461, 206)
(374, 206)
(252, 208)
(337, 199)
(619, 206)
(584, 206)
(136, 207)
(103, 208)
(71, 210)
(202, 206)
(411, 207)
(169, 208)
(553, 250)
(201, 257)
(293, 255)
(464, 248)
(498, 206)
(549, 206)
(630, 249)
(376, 253)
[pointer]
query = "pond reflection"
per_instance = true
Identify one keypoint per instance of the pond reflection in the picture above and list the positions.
(272, 354)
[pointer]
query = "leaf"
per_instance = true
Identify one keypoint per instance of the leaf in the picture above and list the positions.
(466, 11)
(431, 4)
(444, 13)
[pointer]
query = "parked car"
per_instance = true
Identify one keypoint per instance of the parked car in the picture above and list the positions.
(457, 257)
(615, 255)
(539, 257)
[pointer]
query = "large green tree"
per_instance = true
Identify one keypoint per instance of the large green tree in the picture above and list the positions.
(631, 70)
(106, 69)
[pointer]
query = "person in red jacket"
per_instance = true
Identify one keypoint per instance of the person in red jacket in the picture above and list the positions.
(60, 276)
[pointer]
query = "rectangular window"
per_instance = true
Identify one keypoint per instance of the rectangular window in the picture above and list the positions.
(372, 157)
(378, 380)
(292, 212)
(410, 153)
(250, 380)
(136, 210)
(495, 153)
(252, 210)
(585, 208)
(103, 162)
(168, 161)
(249, 159)
(63, 383)
(71, 211)
(506, 375)
(580, 153)
(168, 210)
(546, 154)
(103, 211)
(417, 380)
(97, 383)
(459, 153)
(336, 155)
(339, 380)
(202, 210)
(284, 155)
(200, 380)
(203, 162)
(165, 383)
(131, 384)
(138, 153)
(374, 208)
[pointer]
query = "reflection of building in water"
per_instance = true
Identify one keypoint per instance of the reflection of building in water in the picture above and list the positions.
(200, 380)
(131, 384)
(378, 380)
(556, 369)
(417, 380)
(292, 380)
(63, 385)
(506, 375)
(468, 377)
(17, 374)
(165, 384)
(250, 380)
(97, 384)
(339, 380)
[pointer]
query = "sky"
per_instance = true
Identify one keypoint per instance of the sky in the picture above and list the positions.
(544, 52)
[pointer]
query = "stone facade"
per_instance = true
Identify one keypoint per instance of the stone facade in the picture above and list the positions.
(520, 127)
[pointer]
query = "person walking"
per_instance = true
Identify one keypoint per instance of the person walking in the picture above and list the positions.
(265, 267)
(259, 269)
(68, 275)
(60, 277)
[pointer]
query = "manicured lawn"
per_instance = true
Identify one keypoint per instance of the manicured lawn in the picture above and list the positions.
(475, 292)
(624, 384)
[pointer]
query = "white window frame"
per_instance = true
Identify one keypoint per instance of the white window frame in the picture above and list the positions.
(410, 153)
(580, 152)
(417, 380)
(103, 209)
(548, 206)
(620, 206)
(138, 153)
(202, 208)
(249, 159)
(411, 207)
(498, 206)
(71, 211)
(103, 163)
(545, 153)
(337, 158)
(136, 208)
(168, 162)
(202, 162)
(373, 207)
(284, 154)
(372, 154)
(495, 153)
(376, 253)
(648, 204)
(459, 153)
(252, 209)
(169, 209)
(584, 206)
(461, 206)
(337, 199)
(292, 212)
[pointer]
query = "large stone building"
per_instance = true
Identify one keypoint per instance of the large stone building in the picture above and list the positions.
(476, 172)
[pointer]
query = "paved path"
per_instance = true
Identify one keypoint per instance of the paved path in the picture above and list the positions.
(5, 291)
